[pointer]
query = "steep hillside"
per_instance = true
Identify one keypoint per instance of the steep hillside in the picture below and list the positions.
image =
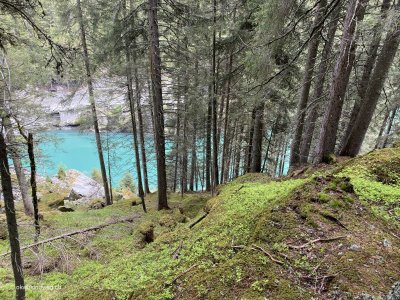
(331, 233)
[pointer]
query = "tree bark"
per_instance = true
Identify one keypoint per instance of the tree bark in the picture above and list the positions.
(238, 150)
(19, 172)
(141, 128)
(329, 127)
(389, 128)
(14, 151)
(370, 101)
(11, 221)
(257, 139)
(295, 157)
(35, 201)
(155, 62)
(93, 104)
(226, 141)
(208, 142)
(133, 117)
(215, 173)
(372, 54)
(319, 87)
(250, 141)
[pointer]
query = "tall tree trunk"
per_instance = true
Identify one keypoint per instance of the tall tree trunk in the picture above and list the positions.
(208, 141)
(319, 87)
(11, 221)
(184, 171)
(250, 142)
(257, 139)
(238, 153)
(327, 141)
(177, 134)
(141, 127)
(215, 172)
(193, 164)
(155, 59)
(93, 104)
(226, 141)
(193, 158)
(133, 118)
(5, 89)
(372, 54)
(32, 162)
(377, 81)
(306, 85)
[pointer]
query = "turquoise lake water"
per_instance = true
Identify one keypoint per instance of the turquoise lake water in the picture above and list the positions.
(77, 150)
(74, 149)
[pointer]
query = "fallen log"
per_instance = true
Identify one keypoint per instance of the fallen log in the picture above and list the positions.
(65, 235)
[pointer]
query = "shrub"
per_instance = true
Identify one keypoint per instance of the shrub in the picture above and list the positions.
(61, 172)
(127, 182)
(96, 175)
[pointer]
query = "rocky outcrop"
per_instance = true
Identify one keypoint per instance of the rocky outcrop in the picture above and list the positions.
(85, 187)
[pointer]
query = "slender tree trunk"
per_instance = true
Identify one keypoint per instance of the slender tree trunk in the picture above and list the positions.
(193, 164)
(208, 142)
(177, 135)
(250, 142)
(381, 130)
(226, 141)
(184, 171)
(215, 173)
(372, 54)
(141, 127)
(377, 81)
(19, 172)
(236, 171)
(327, 141)
(295, 157)
(14, 151)
(389, 128)
(319, 87)
(257, 139)
(32, 162)
(11, 221)
(93, 104)
(193, 158)
(155, 58)
(133, 118)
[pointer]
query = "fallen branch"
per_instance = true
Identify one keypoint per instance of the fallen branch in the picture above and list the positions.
(255, 247)
(183, 273)
(65, 235)
(258, 248)
(317, 241)
(198, 220)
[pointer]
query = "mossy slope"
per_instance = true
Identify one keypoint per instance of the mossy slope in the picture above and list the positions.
(329, 235)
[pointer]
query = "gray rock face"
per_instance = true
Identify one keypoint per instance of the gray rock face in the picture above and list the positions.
(85, 187)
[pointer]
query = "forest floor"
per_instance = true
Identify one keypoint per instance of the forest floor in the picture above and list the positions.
(327, 233)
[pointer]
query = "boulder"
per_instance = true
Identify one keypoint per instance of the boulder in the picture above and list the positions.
(85, 187)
